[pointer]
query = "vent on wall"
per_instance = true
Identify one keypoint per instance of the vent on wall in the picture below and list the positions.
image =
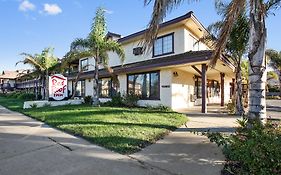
(138, 51)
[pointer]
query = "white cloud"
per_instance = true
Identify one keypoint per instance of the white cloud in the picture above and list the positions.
(108, 11)
(52, 9)
(26, 6)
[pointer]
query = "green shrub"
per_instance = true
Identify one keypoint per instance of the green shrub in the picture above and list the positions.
(159, 108)
(254, 150)
(88, 100)
(231, 107)
(130, 100)
(116, 101)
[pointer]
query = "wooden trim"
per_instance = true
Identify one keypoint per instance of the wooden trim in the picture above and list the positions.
(197, 70)
(222, 88)
(204, 88)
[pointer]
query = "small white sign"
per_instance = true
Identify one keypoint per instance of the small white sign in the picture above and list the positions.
(58, 87)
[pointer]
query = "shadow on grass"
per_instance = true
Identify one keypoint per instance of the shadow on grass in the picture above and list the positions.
(129, 124)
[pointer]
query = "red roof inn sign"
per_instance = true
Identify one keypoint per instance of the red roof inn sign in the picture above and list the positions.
(57, 87)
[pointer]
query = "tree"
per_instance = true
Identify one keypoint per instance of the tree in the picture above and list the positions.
(275, 63)
(258, 10)
(42, 65)
(97, 46)
(235, 48)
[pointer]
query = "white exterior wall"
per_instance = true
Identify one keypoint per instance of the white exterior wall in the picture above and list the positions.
(131, 58)
(182, 89)
(188, 43)
(227, 81)
(89, 87)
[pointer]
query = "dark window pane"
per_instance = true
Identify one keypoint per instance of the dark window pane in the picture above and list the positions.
(105, 87)
(84, 65)
(163, 45)
(154, 85)
(131, 82)
(83, 88)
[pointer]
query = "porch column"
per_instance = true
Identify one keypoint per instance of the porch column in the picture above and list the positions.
(204, 94)
(222, 89)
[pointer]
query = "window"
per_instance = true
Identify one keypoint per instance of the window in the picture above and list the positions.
(81, 88)
(107, 88)
(213, 88)
(164, 45)
(145, 85)
(84, 64)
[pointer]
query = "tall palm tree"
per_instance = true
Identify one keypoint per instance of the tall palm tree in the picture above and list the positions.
(42, 65)
(97, 46)
(235, 48)
(258, 10)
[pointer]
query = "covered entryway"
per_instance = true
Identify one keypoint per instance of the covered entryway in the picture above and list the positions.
(196, 85)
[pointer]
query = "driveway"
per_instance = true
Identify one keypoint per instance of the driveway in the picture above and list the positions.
(31, 147)
(273, 108)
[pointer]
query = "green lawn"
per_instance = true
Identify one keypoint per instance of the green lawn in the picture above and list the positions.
(124, 130)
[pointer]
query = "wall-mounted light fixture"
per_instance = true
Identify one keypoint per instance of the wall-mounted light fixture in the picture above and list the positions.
(175, 74)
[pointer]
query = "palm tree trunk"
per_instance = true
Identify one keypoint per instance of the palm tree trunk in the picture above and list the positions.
(75, 83)
(239, 92)
(257, 69)
(96, 82)
(47, 86)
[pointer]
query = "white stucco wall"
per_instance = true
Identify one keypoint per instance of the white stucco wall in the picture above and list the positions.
(89, 87)
(182, 89)
(130, 57)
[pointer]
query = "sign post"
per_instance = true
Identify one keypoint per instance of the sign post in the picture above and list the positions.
(58, 87)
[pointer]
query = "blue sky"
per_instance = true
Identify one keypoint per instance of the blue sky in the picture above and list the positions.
(30, 26)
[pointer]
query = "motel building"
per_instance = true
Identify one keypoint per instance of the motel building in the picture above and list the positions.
(174, 73)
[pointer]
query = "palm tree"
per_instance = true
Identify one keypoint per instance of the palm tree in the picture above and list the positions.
(97, 46)
(235, 49)
(42, 65)
(258, 11)
(275, 63)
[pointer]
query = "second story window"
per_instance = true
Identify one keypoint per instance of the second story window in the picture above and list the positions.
(164, 45)
(84, 64)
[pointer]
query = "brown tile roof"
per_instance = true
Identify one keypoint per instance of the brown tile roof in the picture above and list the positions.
(9, 74)
(172, 60)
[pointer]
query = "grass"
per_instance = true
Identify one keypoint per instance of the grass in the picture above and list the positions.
(124, 130)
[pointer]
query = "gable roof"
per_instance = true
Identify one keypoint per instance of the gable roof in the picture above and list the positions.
(165, 24)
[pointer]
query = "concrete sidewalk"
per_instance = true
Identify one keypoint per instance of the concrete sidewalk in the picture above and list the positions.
(183, 152)
(30, 147)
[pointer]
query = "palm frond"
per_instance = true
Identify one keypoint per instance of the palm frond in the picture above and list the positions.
(31, 60)
(235, 8)
(79, 44)
(160, 10)
(116, 47)
(272, 5)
